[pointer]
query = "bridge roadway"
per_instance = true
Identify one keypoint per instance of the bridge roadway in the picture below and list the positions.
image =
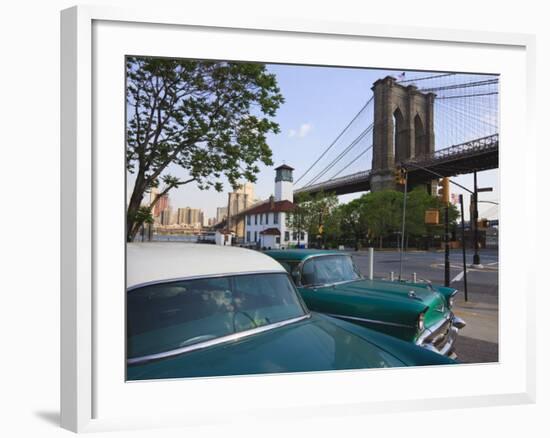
(473, 156)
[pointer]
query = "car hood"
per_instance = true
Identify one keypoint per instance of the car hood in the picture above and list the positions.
(315, 344)
(399, 292)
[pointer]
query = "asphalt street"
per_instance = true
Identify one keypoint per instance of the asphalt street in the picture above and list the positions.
(478, 341)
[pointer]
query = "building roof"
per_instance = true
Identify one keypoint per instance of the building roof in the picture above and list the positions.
(268, 207)
(284, 166)
(271, 232)
(161, 261)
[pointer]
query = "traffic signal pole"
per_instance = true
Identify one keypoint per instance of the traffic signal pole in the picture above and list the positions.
(446, 201)
(447, 259)
(461, 198)
(476, 260)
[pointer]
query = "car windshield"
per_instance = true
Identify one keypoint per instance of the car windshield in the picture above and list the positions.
(329, 269)
(168, 316)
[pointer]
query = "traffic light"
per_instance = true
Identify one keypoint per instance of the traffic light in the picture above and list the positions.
(399, 175)
(443, 190)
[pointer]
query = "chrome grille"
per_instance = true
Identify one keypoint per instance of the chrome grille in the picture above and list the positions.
(439, 338)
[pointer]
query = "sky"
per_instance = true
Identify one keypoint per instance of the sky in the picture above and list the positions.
(319, 103)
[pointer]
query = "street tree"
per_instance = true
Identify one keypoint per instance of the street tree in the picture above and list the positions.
(209, 118)
(382, 212)
(312, 214)
(353, 221)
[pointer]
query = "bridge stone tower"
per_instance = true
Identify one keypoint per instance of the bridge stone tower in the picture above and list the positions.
(403, 129)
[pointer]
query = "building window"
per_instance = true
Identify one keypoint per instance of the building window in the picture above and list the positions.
(255, 236)
(247, 219)
(294, 235)
(276, 217)
(248, 236)
(261, 218)
(277, 239)
(255, 219)
(267, 218)
(302, 236)
(287, 236)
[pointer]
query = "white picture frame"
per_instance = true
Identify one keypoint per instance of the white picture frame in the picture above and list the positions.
(88, 397)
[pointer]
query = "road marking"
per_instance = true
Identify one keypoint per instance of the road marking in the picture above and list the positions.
(458, 277)
(494, 263)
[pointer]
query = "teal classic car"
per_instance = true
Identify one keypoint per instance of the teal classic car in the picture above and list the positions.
(204, 310)
(330, 282)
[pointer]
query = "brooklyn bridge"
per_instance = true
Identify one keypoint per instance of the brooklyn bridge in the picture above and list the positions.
(434, 125)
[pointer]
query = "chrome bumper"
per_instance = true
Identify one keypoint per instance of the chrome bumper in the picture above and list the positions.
(440, 338)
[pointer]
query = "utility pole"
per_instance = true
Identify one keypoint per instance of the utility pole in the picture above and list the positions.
(463, 248)
(402, 178)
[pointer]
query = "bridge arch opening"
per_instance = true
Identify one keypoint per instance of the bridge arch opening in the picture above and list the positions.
(420, 146)
(399, 136)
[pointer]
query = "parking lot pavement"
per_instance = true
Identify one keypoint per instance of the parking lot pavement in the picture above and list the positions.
(478, 341)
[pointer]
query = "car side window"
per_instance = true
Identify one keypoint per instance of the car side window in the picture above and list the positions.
(308, 274)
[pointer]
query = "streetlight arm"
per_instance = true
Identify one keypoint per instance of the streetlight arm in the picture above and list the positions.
(436, 174)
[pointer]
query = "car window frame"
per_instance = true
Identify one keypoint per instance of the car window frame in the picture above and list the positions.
(317, 286)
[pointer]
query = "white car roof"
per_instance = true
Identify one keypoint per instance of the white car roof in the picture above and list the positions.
(159, 261)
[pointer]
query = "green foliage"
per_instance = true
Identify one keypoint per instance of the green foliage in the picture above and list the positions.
(310, 213)
(377, 216)
(210, 118)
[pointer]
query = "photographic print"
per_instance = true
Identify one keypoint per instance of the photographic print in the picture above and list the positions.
(295, 218)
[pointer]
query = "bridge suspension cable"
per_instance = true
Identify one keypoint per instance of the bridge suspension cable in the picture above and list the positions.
(341, 155)
(424, 78)
(336, 139)
(351, 162)
(463, 85)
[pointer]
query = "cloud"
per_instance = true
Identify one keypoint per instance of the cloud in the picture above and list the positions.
(304, 130)
(301, 132)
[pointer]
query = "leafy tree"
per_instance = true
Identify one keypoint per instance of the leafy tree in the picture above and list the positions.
(312, 213)
(298, 221)
(353, 221)
(210, 118)
(383, 212)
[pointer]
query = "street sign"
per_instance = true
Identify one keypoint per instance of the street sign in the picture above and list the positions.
(431, 217)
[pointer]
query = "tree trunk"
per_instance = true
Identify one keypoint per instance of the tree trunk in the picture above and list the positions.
(132, 225)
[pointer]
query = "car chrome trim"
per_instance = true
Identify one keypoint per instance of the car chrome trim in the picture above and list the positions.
(432, 329)
(374, 321)
(447, 348)
(459, 323)
(212, 342)
(456, 324)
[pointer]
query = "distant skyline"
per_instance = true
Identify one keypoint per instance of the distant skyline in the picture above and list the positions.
(319, 102)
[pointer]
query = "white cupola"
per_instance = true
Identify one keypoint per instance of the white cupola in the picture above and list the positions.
(284, 185)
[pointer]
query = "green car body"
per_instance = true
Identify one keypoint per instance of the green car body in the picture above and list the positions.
(201, 311)
(415, 312)
(317, 343)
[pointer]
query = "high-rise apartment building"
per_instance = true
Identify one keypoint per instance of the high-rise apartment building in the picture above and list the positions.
(221, 214)
(193, 217)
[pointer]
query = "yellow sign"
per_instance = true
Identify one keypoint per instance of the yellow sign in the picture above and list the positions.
(431, 216)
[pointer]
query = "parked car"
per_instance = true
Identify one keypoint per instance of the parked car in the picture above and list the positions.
(200, 310)
(330, 282)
